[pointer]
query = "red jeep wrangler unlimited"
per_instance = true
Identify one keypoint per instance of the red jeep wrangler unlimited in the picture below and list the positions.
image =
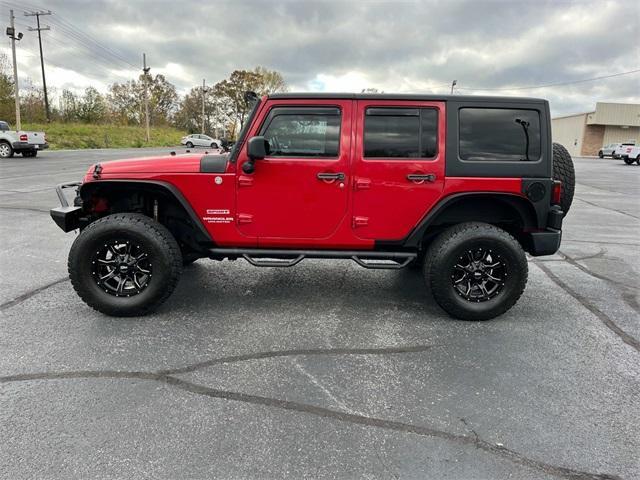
(462, 186)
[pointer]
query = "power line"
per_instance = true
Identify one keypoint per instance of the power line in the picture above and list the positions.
(557, 84)
(87, 38)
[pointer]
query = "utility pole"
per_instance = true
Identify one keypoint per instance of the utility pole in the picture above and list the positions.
(145, 73)
(39, 29)
(204, 91)
(11, 32)
(453, 84)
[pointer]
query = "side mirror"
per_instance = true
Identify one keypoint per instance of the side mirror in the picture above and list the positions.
(257, 149)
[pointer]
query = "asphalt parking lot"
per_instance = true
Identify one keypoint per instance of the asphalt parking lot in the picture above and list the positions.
(324, 370)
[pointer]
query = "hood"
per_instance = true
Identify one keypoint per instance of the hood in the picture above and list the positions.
(189, 163)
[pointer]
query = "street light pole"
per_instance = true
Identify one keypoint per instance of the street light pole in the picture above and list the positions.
(11, 31)
(204, 91)
(145, 72)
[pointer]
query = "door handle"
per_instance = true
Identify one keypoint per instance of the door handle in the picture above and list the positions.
(330, 176)
(421, 178)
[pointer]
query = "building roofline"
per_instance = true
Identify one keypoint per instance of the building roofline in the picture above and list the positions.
(573, 115)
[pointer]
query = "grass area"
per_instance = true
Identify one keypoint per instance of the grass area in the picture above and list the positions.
(81, 135)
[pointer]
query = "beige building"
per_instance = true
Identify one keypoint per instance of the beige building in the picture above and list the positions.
(583, 134)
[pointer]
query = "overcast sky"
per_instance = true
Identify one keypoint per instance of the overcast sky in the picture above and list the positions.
(401, 46)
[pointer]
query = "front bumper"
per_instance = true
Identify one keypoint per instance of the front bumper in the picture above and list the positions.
(67, 217)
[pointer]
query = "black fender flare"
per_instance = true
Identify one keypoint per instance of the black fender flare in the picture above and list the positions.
(166, 188)
(521, 205)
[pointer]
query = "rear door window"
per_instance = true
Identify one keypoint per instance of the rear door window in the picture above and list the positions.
(499, 134)
(400, 132)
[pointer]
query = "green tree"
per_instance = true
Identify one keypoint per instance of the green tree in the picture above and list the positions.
(126, 100)
(230, 93)
(7, 102)
(68, 106)
(92, 107)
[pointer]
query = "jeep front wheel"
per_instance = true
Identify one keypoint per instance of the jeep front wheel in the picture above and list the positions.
(628, 161)
(125, 264)
(475, 271)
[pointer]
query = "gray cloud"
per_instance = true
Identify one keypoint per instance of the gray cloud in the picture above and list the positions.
(394, 46)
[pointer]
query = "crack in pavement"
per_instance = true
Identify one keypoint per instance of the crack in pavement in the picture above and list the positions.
(30, 293)
(596, 242)
(607, 208)
(10, 207)
(628, 296)
(297, 352)
(603, 317)
(351, 418)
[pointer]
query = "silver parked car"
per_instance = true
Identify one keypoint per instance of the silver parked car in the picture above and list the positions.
(199, 140)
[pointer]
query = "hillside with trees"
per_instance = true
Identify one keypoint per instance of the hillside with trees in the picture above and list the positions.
(115, 118)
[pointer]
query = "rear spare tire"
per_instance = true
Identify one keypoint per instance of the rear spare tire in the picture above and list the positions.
(125, 264)
(475, 271)
(563, 170)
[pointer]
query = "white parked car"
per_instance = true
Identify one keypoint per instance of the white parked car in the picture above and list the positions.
(630, 154)
(199, 140)
(617, 148)
(26, 143)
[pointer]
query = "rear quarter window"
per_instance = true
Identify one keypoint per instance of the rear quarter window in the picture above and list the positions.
(499, 134)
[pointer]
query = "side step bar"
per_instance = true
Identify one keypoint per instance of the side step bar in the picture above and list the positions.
(261, 257)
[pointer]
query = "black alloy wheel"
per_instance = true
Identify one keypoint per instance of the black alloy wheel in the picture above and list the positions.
(122, 268)
(479, 275)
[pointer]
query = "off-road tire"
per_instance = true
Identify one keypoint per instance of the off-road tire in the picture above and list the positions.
(563, 170)
(628, 161)
(6, 150)
(445, 251)
(600, 154)
(29, 153)
(163, 252)
(188, 258)
(638, 159)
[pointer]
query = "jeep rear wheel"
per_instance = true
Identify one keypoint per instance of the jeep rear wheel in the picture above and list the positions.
(475, 271)
(563, 170)
(125, 264)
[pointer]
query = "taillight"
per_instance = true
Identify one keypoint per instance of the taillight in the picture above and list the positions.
(556, 195)
(23, 137)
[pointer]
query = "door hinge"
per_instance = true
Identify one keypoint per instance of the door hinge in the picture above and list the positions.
(360, 222)
(362, 184)
(244, 218)
(245, 181)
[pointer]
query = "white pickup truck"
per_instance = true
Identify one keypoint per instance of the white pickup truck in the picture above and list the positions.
(630, 154)
(26, 143)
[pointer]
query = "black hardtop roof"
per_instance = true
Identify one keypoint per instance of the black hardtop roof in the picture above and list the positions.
(407, 96)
